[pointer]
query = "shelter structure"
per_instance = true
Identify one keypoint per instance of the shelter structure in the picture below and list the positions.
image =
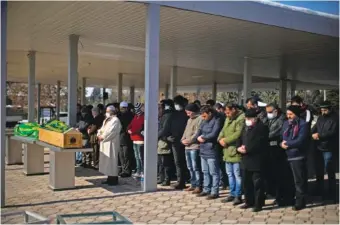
(164, 45)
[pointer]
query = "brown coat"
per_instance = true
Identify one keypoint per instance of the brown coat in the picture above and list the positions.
(191, 131)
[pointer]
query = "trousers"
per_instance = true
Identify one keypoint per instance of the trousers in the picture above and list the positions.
(253, 188)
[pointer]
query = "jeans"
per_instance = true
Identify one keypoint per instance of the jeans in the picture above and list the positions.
(234, 176)
(211, 169)
(299, 169)
(193, 164)
(79, 156)
(138, 150)
(325, 163)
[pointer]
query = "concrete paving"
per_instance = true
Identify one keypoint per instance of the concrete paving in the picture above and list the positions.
(162, 207)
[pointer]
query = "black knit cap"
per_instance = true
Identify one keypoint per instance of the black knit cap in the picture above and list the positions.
(295, 109)
(192, 107)
(251, 113)
(326, 105)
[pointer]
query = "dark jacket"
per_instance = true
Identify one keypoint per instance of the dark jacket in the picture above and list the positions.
(164, 131)
(125, 120)
(296, 143)
(95, 126)
(255, 140)
(84, 124)
(275, 128)
(328, 129)
(209, 130)
(178, 123)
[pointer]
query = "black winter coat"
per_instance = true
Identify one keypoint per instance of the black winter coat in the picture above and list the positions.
(125, 120)
(328, 129)
(275, 129)
(164, 132)
(84, 124)
(255, 140)
(178, 123)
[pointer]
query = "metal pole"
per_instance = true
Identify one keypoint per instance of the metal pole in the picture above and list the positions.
(151, 96)
(83, 91)
(324, 95)
(31, 86)
(132, 95)
(173, 82)
(119, 87)
(58, 101)
(3, 94)
(247, 79)
(214, 91)
(72, 79)
(166, 92)
(38, 102)
(104, 100)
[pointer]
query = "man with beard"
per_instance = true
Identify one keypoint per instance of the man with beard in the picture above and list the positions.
(253, 103)
(295, 135)
(179, 121)
(125, 116)
(326, 135)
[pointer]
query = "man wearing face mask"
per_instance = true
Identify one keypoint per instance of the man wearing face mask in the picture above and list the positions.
(278, 172)
(295, 135)
(326, 135)
(179, 121)
(253, 146)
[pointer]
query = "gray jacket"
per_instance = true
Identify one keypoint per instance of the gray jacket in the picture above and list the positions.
(275, 129)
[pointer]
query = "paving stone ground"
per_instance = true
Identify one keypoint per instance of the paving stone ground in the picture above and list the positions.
(162, 207)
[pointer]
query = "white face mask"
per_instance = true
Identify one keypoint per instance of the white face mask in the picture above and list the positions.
(166, 107)
(249, 123)
(270, 116)
(107, 115)
(178, 107)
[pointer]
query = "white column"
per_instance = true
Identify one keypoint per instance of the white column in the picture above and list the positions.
(283, 85)
(239, 95)
(83, 91)
(132, 95)
(173, 82)
(214, 91)
(324, 95)
(198, 92)
(120, 87)
(104, 100)
(72, 79)
(31, 86)
(151, 96)
(166, 92)
(58, 101)
(3, 94)
(247, 80)
(38, 101)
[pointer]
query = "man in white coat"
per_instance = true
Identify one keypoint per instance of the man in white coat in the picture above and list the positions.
(108, 137)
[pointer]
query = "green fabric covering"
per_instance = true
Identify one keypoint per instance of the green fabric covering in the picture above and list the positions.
(56, 125)
(30, 130)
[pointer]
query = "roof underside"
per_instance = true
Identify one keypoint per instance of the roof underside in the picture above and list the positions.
(206, 48)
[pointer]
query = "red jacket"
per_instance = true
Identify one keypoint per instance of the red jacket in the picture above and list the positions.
(136, 126)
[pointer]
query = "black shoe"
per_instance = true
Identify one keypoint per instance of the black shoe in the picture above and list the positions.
(165, 183)
(257, 209)
(298, 207)
(202, 194)
(179, 186)
(228, 199)
(224, 188)
(123, 175)
(159, 181)
(237, 201)
(245, 206)
(211, 197)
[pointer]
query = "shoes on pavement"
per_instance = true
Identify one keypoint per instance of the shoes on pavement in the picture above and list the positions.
(230, 198)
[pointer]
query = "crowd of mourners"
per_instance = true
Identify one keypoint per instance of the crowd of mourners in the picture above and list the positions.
(256, 150)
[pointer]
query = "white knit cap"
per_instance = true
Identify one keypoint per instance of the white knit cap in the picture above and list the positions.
(123, 104)
(111, 108)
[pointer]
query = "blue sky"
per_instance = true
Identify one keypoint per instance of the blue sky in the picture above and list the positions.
(331, 7)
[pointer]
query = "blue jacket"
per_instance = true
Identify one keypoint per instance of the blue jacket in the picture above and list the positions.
(296, 145)
(209, 130)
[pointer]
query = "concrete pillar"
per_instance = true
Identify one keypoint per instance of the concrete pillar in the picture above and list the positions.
(3, 94)
(104, 100)
(58, 101)
(31, 86)
(283, 85)
(83, 91)
(151, 96)
(239, 95)
(120, 87)
(173, 82)
(132, 95)
(247, 79)
(38, 101)
(72, 79)
(324, 95)
(214, 91)
(166, 92)
(198, 92)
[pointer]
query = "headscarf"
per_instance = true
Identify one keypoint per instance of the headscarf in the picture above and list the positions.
(138, 108)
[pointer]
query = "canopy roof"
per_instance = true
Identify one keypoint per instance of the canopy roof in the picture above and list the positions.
(206, 48)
